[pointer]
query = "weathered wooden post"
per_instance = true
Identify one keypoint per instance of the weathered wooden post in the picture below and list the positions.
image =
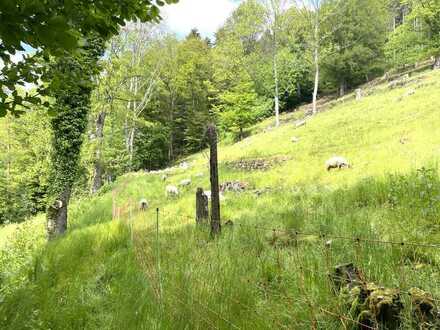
(215, 198)
(202, 210)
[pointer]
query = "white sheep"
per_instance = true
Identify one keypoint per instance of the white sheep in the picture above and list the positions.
(185, 182)
(184, 165)
(143, 204)
(337, 162)
(209, 195)
(171, 191)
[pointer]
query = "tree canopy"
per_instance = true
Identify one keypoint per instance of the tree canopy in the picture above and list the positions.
(52, 27)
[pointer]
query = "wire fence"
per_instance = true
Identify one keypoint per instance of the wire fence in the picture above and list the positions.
(203, 313)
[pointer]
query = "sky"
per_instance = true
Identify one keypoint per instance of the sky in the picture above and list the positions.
(205, 15)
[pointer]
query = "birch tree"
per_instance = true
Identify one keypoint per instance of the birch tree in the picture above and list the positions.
(274, 11)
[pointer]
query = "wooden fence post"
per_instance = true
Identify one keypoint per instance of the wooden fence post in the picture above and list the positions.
(215, 198)
(202, 210)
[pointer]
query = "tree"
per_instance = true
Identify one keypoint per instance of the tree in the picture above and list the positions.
(418, 36)
(354, 51)
(274, 11)
(24, 163)
(71, 87)
(239, 107)
(53, 27)
(312, 13)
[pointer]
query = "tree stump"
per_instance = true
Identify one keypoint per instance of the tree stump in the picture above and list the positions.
(202, 210)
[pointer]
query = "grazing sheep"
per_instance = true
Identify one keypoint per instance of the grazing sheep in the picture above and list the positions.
(185, 182)
(143, 204)
(209, 195)
(184, 165)
(337, 162)
(171, 191)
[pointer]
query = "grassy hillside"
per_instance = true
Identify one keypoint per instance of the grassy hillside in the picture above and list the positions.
(113, 274)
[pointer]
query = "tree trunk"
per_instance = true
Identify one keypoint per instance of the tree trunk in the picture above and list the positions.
(98, 172)
(131, 146)
(342, 88)
(215, 196)
(276, 96)
(171, 137)
(72, 102)
(202, 210)
(437, 63)
(57, 215)
(316, 62)
(298, 91)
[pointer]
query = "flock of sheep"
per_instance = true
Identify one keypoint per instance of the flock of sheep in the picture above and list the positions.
(171, 191)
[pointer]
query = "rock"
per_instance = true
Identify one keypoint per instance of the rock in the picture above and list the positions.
(262, 164)
(426, 315)
(376, 307)
(403, 81)
(234, 186)
(300, 123)
(199, 175)
(229, 223)
(346, 275)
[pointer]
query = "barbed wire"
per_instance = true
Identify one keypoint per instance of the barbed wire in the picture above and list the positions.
(356, 239)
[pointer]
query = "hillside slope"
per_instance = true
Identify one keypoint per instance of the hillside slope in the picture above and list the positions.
(113, 274)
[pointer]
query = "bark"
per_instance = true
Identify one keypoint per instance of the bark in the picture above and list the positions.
(98, 172)
(57, 215)
(171, 138)
(342, 88)
(215, 196)
(316, 63)
(276, 96)
(437, 63)
(298, 91)
(202, 210)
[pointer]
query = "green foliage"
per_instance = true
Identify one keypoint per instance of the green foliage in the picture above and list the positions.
(419, 35)
(54, 27)
(24, 163)
(354, 47)
(240, 107)
(71, 86)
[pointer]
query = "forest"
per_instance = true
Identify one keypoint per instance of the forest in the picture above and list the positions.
(277, 170)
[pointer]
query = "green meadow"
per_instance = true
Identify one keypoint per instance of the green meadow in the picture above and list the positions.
(269, 270)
